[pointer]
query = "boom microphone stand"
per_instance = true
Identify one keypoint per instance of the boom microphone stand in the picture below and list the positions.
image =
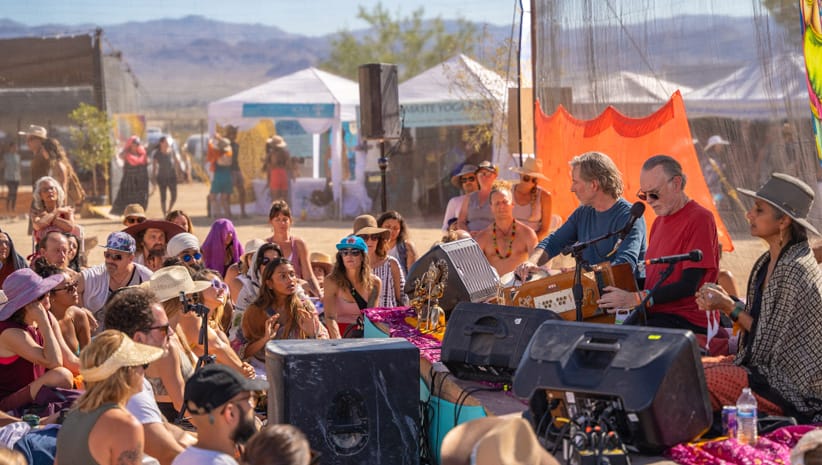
(638, 316)
(205, 359)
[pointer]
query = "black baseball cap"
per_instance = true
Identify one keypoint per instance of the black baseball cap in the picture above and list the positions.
(213, 385)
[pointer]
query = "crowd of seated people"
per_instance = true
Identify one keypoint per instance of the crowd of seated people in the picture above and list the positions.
(165, 295)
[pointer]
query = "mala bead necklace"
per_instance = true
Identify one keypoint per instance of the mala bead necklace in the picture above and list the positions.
(510, 243)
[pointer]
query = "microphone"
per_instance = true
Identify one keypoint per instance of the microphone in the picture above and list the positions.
(637, 210)
(692, 256)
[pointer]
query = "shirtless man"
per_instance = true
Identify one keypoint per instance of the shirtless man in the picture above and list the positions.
(506, 242)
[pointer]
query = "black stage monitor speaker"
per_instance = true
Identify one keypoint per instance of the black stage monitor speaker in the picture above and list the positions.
(649, 380)
(470, 277)
(379, 101)
(356, 400)
(485, 342)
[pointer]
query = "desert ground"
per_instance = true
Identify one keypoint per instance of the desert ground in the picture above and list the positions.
(319, 235)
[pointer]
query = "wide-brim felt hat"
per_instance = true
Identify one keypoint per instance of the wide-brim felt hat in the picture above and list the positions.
(23, 287)
(531, 167)
(466, 169)
(167, 283)
(494, 440)
(170, 229)
(35, 131)
(789, 195)
(367, 224)
(128, 354)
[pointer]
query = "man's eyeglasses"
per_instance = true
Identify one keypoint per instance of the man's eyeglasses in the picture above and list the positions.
(532, 179)
(652, 194)
(113, 256)
(465, 179)
(350, 252)
(163, 329)
(71, 287)
(195, 256)
(134, 220)
(371, 237)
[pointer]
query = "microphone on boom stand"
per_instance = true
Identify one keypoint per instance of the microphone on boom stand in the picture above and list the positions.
(637, 210)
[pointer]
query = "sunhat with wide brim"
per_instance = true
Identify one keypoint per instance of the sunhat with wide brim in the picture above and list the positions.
(128, 354)
(531, 167)
(367, 224)
(466, 169)
(715, 140)
(276, 141)
(170, 229)
(322, 260)
(487, 165)
(23, 287)
(35, 131)
(167, 283)
(788, 195)
(506, 440)
(134, 209)
(252, 246)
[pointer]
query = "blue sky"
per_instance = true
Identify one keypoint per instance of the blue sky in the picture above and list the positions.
(309, 17)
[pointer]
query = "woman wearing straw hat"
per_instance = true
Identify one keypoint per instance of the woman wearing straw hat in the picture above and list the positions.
(386, 267)
(780, 347)
(465, 180)
(31, 344)
(99, 430)
(532, 203)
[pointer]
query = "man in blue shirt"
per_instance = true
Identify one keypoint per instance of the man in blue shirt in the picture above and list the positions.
(597, 183)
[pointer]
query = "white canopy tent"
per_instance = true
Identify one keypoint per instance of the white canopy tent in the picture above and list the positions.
(318, 100)
(455, 93)
(754, 91)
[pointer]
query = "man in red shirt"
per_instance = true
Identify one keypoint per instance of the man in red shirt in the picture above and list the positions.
(681, 225)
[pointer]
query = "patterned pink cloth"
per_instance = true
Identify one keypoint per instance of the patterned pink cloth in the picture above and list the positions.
(395, 319)
(772, 448)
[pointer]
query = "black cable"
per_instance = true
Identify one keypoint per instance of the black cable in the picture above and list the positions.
(463, 397)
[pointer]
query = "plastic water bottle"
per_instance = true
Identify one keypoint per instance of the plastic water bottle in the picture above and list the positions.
(746, 415)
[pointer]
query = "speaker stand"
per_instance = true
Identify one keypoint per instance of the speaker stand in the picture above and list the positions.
(383, 164)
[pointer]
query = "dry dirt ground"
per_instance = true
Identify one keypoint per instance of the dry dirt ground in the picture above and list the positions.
(319, 235)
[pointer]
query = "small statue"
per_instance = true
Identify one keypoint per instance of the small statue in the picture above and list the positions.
(428, 289)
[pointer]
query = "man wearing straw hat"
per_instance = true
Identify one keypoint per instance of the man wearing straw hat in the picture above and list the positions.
(466, 180)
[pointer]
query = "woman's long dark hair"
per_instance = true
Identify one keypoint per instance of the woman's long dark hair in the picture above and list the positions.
(340, 278)
(268, 297)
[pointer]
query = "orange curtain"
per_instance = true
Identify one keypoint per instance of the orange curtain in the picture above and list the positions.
(629, 142)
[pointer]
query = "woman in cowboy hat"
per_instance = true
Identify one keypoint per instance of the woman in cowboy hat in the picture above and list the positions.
(780, 347)
(466, 180)
(386, 267)
(532, 203)
(99, 429)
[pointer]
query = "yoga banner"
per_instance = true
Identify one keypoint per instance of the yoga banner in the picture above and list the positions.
(629, 142)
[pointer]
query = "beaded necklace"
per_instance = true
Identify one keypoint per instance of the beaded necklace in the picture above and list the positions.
(510, 243)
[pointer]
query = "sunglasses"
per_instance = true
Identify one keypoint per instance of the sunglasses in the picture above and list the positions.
(163, 329)
(113, 256)
(526, 178)
(653, 195)
(371, 237)
(350, 252)
(134, 220)
(196, 256)
(465, 179)
(219, 285)
(68, 288)
(265, 261)
(42, 296)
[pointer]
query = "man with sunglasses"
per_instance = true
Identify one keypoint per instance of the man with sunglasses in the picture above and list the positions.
(597, 183)
(133, 214)
(96, 284)
(465, 180)
(222, 404)
(186, 247)
(681, 225)
(138, 314)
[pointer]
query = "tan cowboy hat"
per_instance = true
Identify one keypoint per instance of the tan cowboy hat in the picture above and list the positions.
(135, 210)
(531, 167)
(487, 165)
(789, 195)
(466, 169)
(276, 141)
(367, 224)
(507, 440)
(252, 246)
(322, 260)
(35, 131)
(128, 354)
(167, 283)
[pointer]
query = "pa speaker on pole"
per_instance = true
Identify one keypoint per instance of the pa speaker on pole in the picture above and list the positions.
(379, 101)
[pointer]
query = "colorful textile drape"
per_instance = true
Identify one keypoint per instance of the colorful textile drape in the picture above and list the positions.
(812, 49)
(629, 142)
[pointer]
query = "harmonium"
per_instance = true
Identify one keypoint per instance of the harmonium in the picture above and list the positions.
(555, 293)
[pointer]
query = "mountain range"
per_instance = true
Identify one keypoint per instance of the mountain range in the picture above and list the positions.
(167, 56)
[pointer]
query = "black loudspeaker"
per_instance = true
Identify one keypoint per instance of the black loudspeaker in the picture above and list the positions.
(379, 101)
(356, 400)
(648, 381)
(470, 277)
(485, 342)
